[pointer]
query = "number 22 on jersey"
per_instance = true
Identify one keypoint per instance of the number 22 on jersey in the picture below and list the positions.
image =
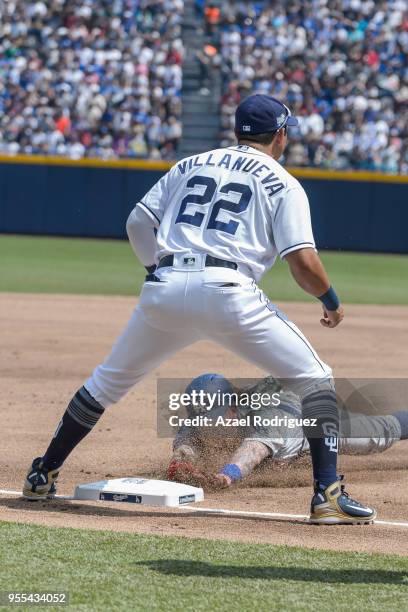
(213, 222)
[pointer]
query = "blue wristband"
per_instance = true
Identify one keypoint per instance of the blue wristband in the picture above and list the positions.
(232, 471)
(330, 299)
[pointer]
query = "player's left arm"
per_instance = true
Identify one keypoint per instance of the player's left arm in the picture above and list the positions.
(293, 234)
(245, 459)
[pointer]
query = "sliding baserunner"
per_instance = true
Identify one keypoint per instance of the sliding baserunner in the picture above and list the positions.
(274, 437)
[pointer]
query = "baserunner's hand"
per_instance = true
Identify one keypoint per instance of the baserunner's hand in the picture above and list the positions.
(332, 318)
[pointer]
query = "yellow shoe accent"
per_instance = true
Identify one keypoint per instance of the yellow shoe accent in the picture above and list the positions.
(40, 482)
(338, 509)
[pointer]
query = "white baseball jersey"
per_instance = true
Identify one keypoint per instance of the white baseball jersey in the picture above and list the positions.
(237, 204)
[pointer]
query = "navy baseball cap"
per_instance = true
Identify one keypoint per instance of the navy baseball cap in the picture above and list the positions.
(260, 114)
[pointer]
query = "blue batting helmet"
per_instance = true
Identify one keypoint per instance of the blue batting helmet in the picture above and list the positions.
(209, 383)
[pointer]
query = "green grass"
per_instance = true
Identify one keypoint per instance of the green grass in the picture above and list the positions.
(67, 265)
(119, 571)
(108, 267)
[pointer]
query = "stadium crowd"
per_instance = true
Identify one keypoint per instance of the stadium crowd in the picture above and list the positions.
(96, 78)
(342, 67)
(103, 78)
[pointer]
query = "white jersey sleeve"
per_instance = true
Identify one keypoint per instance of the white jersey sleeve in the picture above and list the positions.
(140, 229)
(291, 222)
(154, 202)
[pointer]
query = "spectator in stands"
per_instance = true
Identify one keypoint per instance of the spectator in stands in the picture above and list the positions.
(342, 65)
(208, 60)
(212, 15)
(91, 77)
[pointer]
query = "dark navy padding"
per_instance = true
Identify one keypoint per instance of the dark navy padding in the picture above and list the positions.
(95, 202)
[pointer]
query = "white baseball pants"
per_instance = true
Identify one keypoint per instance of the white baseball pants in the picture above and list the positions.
(192, 304)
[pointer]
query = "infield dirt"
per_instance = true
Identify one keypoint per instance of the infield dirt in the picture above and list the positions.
(50, 344)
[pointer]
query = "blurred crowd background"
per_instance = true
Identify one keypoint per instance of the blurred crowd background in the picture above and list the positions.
(340, 65)
(103, 78)
(97, 78)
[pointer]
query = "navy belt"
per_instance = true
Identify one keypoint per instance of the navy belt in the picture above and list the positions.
(210, 262)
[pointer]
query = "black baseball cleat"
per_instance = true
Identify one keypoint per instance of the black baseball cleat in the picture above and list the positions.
(333, 506)
(40, 482)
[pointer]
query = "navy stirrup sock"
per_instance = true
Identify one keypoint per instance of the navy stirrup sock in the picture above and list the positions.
(80, 417)
(323, 437)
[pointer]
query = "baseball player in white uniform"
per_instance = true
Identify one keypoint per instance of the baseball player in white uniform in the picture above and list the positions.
(206, 232)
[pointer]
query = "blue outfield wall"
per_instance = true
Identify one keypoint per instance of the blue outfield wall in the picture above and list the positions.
(70, 201)
(359, 216)
(355, 212)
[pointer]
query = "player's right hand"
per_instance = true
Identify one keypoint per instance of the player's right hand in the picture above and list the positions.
(212, 482)
(332, 318)
(188, 473)
(220, 481)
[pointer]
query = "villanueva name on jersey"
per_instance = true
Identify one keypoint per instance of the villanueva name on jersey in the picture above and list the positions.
(240, 163)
